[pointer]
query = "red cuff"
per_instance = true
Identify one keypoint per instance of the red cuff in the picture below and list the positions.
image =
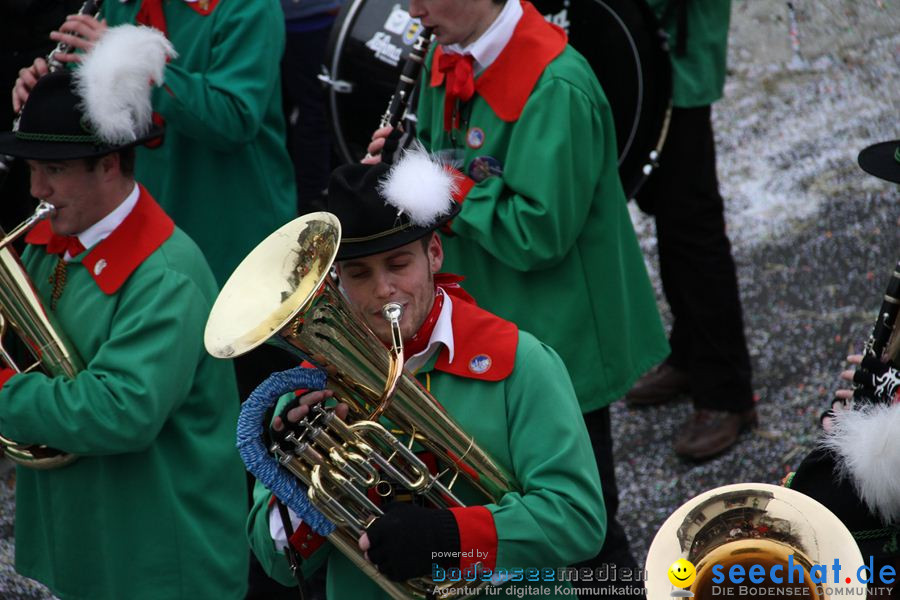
(477, 537)
(306, 541)
(5, 374)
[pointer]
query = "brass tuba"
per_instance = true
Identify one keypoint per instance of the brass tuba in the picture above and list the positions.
(21, 310)
(283, 293)
(754, 524)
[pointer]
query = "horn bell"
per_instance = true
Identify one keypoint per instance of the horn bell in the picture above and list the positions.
(753, 524)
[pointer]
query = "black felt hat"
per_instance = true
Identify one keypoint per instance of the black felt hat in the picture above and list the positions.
(53, 126)
(882, 160)
(381, 207)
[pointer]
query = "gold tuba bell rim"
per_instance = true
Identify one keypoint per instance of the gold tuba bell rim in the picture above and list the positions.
(817, 535)
(242, 319)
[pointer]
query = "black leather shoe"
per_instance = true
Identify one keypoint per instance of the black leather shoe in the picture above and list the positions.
(707, 433)
(660, 384)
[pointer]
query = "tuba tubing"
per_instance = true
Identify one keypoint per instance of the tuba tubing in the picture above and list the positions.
(21, 311)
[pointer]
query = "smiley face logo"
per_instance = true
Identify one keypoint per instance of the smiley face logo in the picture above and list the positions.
(682, 573)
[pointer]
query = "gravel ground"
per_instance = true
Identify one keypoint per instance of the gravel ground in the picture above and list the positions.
(814, 239)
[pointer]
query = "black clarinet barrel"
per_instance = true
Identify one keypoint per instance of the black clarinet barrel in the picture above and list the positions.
(887, 318)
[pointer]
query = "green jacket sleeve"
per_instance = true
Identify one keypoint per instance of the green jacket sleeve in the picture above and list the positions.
(530, 217)
(559, 517)
(121, 400)
(224, 105)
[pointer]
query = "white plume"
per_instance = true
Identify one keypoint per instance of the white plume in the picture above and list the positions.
(868, 450)
(115, 77)
(419, 186)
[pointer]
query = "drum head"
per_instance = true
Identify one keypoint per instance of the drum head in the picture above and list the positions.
(620, 39)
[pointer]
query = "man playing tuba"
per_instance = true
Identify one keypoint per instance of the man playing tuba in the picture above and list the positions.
(154, 504)
(505, 388)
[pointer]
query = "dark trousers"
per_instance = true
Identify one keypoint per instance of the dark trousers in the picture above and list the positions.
(616, 550)
(696, 266)
(309, 134)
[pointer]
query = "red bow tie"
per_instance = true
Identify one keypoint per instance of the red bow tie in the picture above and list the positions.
(58, 244)
(460, 84)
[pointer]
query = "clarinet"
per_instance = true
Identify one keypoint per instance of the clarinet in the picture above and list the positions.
(877, 344)
(887, 317)
(409, 76)
(90, 7)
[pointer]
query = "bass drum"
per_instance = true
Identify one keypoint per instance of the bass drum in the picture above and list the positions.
(621, 39)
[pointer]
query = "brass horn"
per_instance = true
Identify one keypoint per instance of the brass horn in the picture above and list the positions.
(754, 524)
(283, 293)
(53, 353)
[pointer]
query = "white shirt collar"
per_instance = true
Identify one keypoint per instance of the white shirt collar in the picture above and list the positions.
(101, 229)
(442, 334)
(488, 47)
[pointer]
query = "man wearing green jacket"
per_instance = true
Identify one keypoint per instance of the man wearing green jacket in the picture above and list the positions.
(544, 237)
(506, 389)
(709, 352)
(152, 506)
(222, 170)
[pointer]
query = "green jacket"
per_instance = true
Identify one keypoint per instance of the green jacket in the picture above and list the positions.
(154, 507)
(698, 75)
(530, 423)
(548, 242)
(222, 172)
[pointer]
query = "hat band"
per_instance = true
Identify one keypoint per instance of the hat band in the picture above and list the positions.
(54, 137)
(378, 235)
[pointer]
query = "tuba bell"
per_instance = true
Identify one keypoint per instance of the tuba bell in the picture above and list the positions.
(21, 310)
(283, 293)
(743, 525)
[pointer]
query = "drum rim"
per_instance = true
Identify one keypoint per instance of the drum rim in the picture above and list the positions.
(347, 20)
(640, 95)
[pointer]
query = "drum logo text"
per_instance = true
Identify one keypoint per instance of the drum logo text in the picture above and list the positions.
(384, 50)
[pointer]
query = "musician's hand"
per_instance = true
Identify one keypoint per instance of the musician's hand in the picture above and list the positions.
(401, 543)
(875, 381)
(297, 410)
(376, 145)
(80, 32)
(26, 81)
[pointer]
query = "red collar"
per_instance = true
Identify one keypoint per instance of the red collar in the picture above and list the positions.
(422, 337)
(508, 82)
(484, 344)
(114, 259)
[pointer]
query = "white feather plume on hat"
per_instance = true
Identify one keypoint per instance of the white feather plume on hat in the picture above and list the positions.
(865, 443)
(419, 186)
(115, 78)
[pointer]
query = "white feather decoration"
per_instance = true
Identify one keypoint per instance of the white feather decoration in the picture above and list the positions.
(115, 77)
(868, 449)
(419, 186)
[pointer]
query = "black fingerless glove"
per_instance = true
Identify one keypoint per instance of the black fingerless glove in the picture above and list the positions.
(876, 381)
(403, 540)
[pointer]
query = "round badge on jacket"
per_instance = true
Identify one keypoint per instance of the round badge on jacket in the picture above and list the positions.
(480, 363)
(483, 167)
(475, 137)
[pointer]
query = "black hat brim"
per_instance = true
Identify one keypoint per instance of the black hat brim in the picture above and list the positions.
(10, 145)
(881, 160)
(358, 248)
